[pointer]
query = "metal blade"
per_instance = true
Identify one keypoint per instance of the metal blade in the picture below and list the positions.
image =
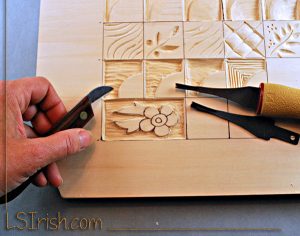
(246, 96)
(261, 127)
(98, 93)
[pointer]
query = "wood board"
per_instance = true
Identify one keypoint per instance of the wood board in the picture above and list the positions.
(210, 157)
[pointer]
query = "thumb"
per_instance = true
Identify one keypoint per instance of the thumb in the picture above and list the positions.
(60, 145)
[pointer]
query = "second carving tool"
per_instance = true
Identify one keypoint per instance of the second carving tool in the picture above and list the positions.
(270, 100)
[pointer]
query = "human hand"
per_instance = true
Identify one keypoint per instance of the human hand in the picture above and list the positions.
(35, 100)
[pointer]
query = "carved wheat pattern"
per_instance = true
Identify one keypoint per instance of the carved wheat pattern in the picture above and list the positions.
(284, 39)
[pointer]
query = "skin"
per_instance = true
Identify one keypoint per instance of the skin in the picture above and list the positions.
(34, 100)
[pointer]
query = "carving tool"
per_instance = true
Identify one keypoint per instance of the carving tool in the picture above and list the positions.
(78, 117)
(269, 100)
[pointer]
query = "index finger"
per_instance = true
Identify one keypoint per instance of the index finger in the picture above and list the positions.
(39, 91)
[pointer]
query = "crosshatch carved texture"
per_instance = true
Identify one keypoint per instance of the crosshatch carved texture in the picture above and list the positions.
(282, 39)
(126, 77)
(244, 39)
(161, 76)
(144, 119)
(163, 40)
(281, 9)
(123, 41)
(207, 73)
(241, 73)
(123, 11)
(199, 10)
(204, 40)
(164, 10)
(242, 9)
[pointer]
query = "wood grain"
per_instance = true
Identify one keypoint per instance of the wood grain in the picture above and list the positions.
(69, 48)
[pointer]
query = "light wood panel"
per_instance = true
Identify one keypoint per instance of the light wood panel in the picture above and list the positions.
(70, 47)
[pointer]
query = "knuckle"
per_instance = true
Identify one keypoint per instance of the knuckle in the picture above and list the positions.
(71, 146)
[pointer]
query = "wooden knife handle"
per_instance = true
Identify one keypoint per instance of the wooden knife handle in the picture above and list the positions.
(279, 101)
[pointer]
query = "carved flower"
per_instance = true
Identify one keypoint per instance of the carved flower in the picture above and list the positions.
(159, 120)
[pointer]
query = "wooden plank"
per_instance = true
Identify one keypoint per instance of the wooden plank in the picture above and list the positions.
(70, 54)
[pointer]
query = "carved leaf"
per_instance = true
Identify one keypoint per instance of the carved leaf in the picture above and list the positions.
(169, 47)
(175, 30)
(131, 125)
(286, 51)
(158, 38)
(277, 37)
(136, 109)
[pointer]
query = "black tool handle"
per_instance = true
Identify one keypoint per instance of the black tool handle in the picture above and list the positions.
(78, 117)
(261, 127)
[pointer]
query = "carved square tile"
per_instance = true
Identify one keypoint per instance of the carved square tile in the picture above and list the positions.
(124, 11)
(144, 120)
(199, 10)
(244, 39)
(164, 10)
(207, 73)
(282, 38)
(201, 125)
(281, 9)
(123, 41)
(235, 130)
(241, 73)
(242, 9)
(126, 77)
(284, 71)
(163, 40)
(161, 77)
(203, 39)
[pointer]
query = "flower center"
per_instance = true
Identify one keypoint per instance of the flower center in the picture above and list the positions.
(159, 120)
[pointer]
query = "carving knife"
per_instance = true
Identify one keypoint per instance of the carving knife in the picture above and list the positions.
(77, 117)
(269, 100)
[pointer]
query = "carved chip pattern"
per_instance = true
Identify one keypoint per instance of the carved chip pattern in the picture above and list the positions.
(244, 39)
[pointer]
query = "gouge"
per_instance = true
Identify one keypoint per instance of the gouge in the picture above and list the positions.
(78, 117)
(269, 100)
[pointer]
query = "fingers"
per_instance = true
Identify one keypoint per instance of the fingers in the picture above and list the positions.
(37, 91)
(29, 132)
(40, 180)
(53, 175)
(59, 145)
(30, 113)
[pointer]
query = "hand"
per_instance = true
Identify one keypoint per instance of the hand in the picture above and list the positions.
(35, 100)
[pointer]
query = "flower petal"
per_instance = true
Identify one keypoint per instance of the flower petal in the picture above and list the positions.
(162, 131)
(151, 111)
(172, 120)
(146, 125)
(166, 110)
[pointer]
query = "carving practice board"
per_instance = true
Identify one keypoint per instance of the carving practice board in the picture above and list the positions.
(150, 143)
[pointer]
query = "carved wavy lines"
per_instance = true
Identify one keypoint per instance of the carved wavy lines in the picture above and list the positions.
(240, 72)
(164, 10)
(204, 40)
(123, 41)
(282, 9)
(110, 4)
(244, 40)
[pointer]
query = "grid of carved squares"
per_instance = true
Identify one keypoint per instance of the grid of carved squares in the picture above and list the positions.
(198, 10)
(143, 59)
